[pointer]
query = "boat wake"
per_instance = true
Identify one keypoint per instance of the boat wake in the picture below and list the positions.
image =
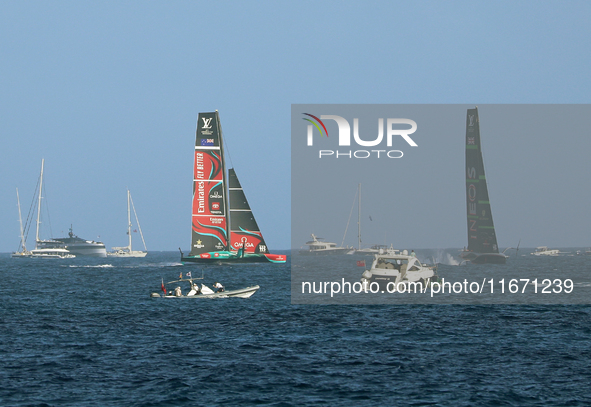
(91, 266)
(443, 257)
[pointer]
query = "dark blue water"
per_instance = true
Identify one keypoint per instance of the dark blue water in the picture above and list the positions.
(86, 333)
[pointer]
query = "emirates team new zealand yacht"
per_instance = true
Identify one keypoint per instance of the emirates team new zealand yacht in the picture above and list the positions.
(223, 227)
(482, 240)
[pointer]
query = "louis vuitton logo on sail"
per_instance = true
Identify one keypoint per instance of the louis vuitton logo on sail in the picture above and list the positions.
(345, 136)
(206, 128)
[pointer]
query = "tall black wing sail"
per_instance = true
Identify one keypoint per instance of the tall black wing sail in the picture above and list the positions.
(481, 230)
(244, 231)
(209, 214)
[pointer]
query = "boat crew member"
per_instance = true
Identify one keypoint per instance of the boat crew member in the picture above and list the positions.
(219, 286)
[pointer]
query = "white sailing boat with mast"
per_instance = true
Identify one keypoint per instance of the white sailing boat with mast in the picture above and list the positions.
(367, 250)
(23, 245)
(44, 249)
(127, 251)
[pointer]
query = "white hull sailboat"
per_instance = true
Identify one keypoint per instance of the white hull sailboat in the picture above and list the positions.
(44, 249)
(127, 251)
(23, 253)
(366, 250)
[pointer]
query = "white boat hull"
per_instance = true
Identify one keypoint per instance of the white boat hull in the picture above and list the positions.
(134, 253)
(240, 293)
(544, 251)
(395, 271)
(21, 255)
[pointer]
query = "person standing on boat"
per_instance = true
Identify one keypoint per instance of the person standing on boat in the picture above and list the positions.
(219, 286)
(413, 254)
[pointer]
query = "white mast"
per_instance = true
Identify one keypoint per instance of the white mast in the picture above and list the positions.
(128, 222)
(39, 205)
(359, 220)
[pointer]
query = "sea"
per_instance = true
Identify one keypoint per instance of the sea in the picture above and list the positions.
(86, 332)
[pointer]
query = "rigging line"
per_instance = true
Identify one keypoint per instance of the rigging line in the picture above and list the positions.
(29, 220)
(138, 223)
(350, 214)
(227, 150)
(47, 210)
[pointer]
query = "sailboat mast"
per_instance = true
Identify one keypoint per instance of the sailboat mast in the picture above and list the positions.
(225, 183)
(128, 221)
(359, 220)
(39, 204)
(20, 221)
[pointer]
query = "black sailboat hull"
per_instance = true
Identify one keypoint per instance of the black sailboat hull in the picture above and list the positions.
(484, 258)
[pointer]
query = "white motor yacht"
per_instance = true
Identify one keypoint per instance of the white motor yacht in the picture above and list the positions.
(319, 247)
(544, 251)
(392, 267)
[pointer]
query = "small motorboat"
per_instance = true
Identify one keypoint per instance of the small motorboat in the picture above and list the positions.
(202, 291)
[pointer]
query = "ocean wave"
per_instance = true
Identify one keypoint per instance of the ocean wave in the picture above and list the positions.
(91, 266)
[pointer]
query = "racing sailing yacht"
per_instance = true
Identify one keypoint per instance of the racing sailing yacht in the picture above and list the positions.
(482, 240)
(223, 227)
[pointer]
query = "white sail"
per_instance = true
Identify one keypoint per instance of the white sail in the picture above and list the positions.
(127, 251)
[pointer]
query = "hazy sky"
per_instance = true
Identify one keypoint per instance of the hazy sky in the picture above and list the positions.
(108, 93)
